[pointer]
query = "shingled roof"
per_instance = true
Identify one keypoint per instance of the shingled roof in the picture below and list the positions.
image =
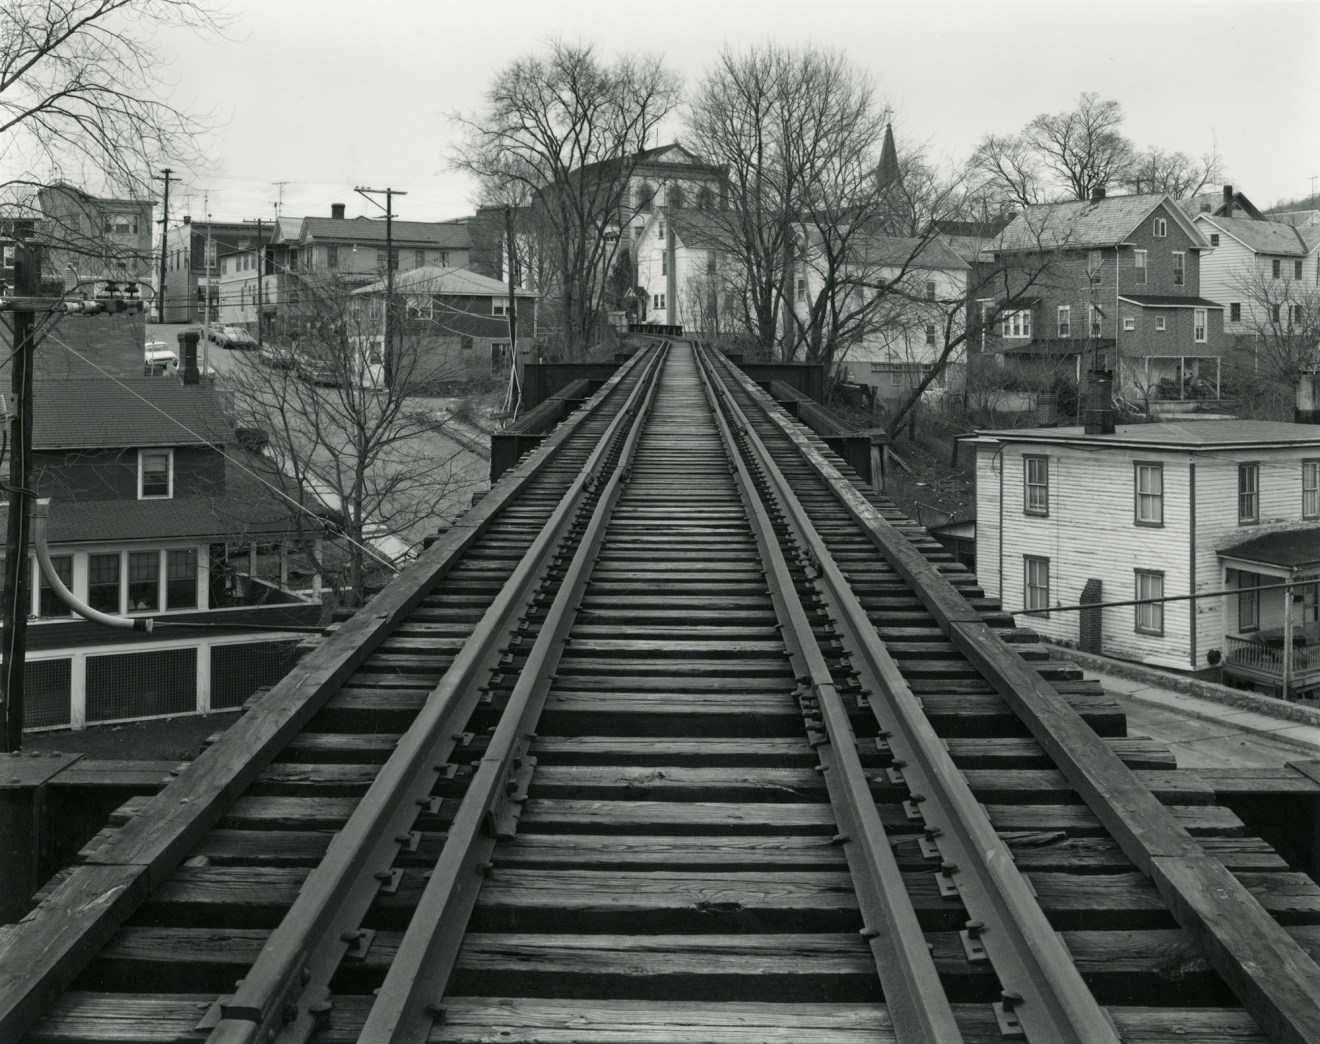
(1264, 237)
(454, 282)
(1083, 224)
(444, 235)
(99, 413)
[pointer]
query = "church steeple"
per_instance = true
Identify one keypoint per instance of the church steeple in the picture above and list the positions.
(887, 173)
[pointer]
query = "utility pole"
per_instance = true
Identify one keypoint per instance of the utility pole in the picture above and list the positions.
(513, 299)
(17, 597)
(164, 242)
(261, 272)
(389, 194)
(206, 307)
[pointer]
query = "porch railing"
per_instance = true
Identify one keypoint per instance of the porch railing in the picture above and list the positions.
(1253, 655)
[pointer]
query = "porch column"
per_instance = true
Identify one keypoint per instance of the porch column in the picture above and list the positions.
(1287, 638)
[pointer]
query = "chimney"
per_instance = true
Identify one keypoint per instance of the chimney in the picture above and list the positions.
(1307, 410)
(1097, 194)
(1228, 201)
(1098, 403)
(337, 211)
(188, 373)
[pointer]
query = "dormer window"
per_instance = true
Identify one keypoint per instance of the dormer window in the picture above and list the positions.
(155, 474)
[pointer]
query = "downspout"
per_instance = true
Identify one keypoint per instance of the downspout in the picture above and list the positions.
(1191, 551)
(40, 515)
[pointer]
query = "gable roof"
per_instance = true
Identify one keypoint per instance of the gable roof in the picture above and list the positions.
(453, 282)
(98, 413)
(1264, 237)
(1217, 205)
(1082, 223)
(897, 251)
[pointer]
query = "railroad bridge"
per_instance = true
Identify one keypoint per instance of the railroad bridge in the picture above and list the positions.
(681, 734)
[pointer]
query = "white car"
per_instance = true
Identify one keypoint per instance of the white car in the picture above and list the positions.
(159, 360)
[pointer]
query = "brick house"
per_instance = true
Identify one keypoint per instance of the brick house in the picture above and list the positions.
(1065, 516)
(154, 513)
(101, 238)
(1113, 282)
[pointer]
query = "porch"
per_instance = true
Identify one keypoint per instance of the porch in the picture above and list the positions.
(1272, 613)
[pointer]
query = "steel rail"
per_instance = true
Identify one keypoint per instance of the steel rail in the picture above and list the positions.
(42, 955)
(287, 988)
(1274, 977)
(1042, 990)
(409, 1000)
(918, 1007)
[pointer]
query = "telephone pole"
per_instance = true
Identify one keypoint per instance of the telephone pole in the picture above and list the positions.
(389, 194)
(27, 331)
(164, 242)
(261, 272)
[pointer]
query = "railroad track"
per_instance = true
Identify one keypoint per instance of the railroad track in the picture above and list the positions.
(678, 736)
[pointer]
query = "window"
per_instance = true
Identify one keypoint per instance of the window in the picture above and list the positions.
(1214, 239)
(659, 300)
(1179, 268)
(1276, 265)
(49, 603)
(674, 196)
(1297, 314)
(1065, 320)
(711, 265)
(1139, 263)
(122, 223)
(499, 306)
(143, 581)
(705, 198)
(664, 263)
(1036, 483)
(1094, 317)
(1015, 324)
(499, 358)
(930, 290)
(1248, 493)
(1159, 322)
(332, 256)
(181, 579)
(1129, 323)
(930, 333)
(1150, 616)
(394, 259)
(1094, 259)
(1149, 491)
(418, 306)
(1311, 489)
(444, 259)
(1248, 602)
(1036, 583)
(103, 582)
(802, 288)
(465, 344)
(1235, 312)
(1297, 270)
(419, 258)
(660, 230)
(1200, 317)
(1161, 229)
(645, 193)
(1276, 312)
(155, 474)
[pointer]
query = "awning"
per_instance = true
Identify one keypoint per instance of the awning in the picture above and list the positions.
(1290, 550)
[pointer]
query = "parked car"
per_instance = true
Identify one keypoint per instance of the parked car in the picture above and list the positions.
(159, 360)
(277, 356)
(315, 368)
(215, 332)
(235, 337)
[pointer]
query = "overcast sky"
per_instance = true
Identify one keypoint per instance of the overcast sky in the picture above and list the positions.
(323, 95)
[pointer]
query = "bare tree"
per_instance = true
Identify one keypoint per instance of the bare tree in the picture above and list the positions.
(81, 100)
(353, 446)
(1173, 173)
(1282, 318)
(1069, 154)
(564, 133)
(799, 134)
